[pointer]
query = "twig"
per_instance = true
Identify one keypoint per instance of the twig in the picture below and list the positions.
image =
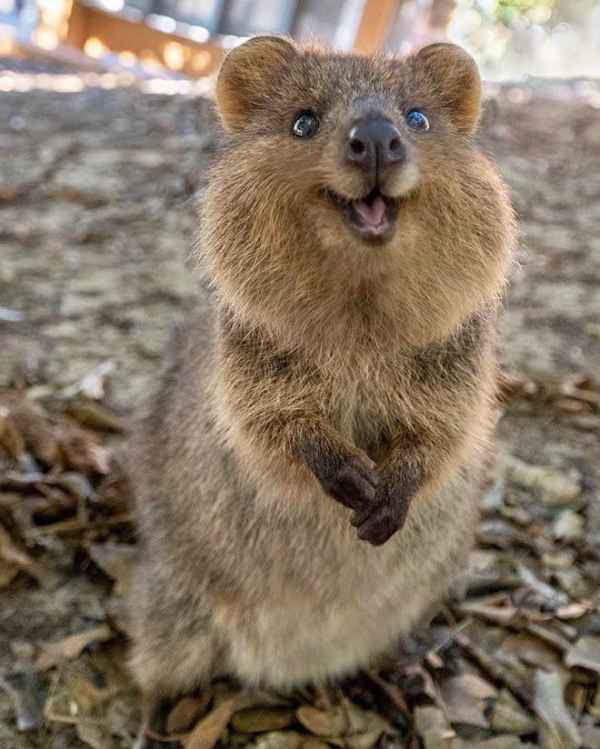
(74, 525)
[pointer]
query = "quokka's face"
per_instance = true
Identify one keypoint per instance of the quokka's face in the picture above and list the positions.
(352, 142)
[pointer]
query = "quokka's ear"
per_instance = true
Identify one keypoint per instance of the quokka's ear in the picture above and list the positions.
(246, 77)
(455, 79)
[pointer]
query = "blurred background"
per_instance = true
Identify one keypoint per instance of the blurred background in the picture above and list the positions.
(107, 131)
(510, 38)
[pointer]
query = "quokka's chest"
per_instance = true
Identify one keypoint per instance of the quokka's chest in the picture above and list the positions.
(380, 396)
(368, 403)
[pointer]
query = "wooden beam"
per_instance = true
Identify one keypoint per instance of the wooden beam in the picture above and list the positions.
(53, 19)
(118, 34)
(377, 17)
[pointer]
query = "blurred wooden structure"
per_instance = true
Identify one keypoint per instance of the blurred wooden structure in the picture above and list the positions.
(97, 31)
(377, 17)
(190, 37)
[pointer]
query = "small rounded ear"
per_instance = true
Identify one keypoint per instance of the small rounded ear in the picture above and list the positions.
(456, 79)
(247, 75)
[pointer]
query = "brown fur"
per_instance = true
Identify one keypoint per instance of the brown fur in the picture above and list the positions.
(321, 365)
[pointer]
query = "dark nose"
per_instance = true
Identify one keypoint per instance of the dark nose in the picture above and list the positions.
(374, 143)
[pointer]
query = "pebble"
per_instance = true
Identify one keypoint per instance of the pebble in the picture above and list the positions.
(568, 526)
(553, 486)
(562, 559)
(22, 649)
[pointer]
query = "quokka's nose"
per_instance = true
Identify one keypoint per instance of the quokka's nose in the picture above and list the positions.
(374, 143)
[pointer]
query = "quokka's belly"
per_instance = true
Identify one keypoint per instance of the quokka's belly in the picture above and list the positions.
(304, 628)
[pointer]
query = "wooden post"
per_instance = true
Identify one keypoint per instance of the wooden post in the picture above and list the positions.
(440, 16)
(53, 23)
(377, 17)
(96, 31)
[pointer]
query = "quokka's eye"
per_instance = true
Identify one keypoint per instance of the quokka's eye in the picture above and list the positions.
(417, 120)
(305, 125)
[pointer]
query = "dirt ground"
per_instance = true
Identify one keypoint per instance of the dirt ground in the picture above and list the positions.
(96, 220)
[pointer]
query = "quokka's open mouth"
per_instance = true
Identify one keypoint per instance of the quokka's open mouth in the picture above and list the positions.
(371, 217)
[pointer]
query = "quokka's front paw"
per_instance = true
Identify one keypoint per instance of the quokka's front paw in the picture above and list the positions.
(392, 502)
(380, 524)
(350, 479)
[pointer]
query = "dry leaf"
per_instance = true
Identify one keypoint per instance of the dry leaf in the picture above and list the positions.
(498, 742)
(466, 698)
(210, 729)
(328, 723)
(10, 437)
(574, 610)
(261, 720)
(498, 614)
(114, 491)
(8, 572)
(551, 596)
(76, 484)
(311, 742)
(432, 726)
(82, 452)
(557, 728)
(94, 735)
(91, 414)
(14, 556)
(364, 740)
(585, 653)
(531, 650)
(116, 560)
(499, 669)
(185, 713)
(549, 636)
(282, 740)
(509, 717)
(72, 646)
(37, 432)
